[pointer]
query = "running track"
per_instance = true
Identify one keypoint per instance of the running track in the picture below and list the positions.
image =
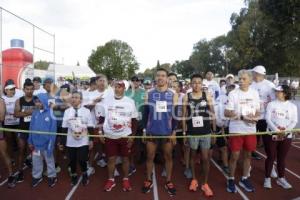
(217, 180)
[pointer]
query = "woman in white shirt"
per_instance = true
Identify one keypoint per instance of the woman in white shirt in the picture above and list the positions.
(281, 115)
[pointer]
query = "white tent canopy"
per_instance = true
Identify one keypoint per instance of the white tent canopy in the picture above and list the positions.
(68, 71)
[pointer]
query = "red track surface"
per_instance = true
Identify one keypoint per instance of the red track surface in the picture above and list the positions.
(217, 182)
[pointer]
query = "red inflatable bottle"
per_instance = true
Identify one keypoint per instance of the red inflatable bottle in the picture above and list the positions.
(15, 61)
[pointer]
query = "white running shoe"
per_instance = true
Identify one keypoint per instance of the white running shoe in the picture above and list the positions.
(116, 173)
(283, 183)
(102, 163)
(90, 171)
(274, 173)
(267, 183)
(164, 173)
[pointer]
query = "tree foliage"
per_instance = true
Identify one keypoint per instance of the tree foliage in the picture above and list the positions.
(115, 59)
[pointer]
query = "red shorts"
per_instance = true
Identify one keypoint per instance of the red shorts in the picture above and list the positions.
(247, 142)
(117, 147)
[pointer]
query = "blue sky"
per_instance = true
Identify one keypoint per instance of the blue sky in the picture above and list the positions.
(164, 30)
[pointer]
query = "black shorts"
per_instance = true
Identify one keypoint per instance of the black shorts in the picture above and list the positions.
(221, 142)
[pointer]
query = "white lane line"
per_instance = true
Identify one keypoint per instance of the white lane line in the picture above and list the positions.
(295, 146)
(15, 174)
(73, 189)
(155, 191)
(286, 169)
(243, 195)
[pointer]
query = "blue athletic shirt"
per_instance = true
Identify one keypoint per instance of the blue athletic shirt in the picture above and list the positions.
(160, 112)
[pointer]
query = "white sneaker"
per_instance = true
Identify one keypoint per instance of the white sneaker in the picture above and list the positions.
(267, 183)
(102, 163)
(90, 171)
(274, 173)
(164, 173)
(116, 173)
(283, 183)
(249, 172)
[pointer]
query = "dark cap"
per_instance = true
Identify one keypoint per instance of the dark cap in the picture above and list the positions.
(9, 84)
(48, 80)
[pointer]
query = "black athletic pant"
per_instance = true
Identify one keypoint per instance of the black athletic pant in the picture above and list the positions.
(78, 154)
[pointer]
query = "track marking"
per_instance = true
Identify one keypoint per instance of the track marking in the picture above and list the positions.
(286, 169)
(155, 191)
(243, 195)
(16, 173)
(295, 146)
(73, 189)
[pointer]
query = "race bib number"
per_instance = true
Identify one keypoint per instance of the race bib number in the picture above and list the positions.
(10, 120)
(247, 110)
(27, 119)
(79, 135)
(197, 121)
(78, 129)
(36, 153)
(161, 106)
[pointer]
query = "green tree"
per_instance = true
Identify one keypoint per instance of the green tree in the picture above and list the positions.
(115, 59)
(43, 65)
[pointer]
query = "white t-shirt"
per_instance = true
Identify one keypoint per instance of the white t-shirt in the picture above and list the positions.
(118, 114)
(39, 91)
(77, 125)
(266, 94)
(214, 87)
(221, 120)
(281, 114)
(10, 103)
(243, 103)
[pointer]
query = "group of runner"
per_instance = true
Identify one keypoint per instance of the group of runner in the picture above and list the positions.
(142, 121)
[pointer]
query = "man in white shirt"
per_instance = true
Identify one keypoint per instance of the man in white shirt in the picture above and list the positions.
(212, 85)
(77, 122)
(118, 120)
(37, 86)
(266, 94)
(243, 110)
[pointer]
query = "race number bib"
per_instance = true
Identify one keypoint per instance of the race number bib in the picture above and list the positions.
(10, 120)
(161, 106)
(197, 121)
(27, 119)
(247, 110)
(78, 129)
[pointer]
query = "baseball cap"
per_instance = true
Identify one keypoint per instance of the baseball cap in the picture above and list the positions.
(229, 76)
(9, 84)
(147, 82)
(278, 88)
(259, 69)
(48, 80)
(120, 83)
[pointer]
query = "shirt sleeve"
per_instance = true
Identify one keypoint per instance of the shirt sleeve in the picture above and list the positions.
(90, 120)
(270, 123)
(294, 117)
(65, 119)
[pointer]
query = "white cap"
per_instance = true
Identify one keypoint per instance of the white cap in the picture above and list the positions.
(8, 87)
(278, 88)
(229, 76)
(259, 69)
